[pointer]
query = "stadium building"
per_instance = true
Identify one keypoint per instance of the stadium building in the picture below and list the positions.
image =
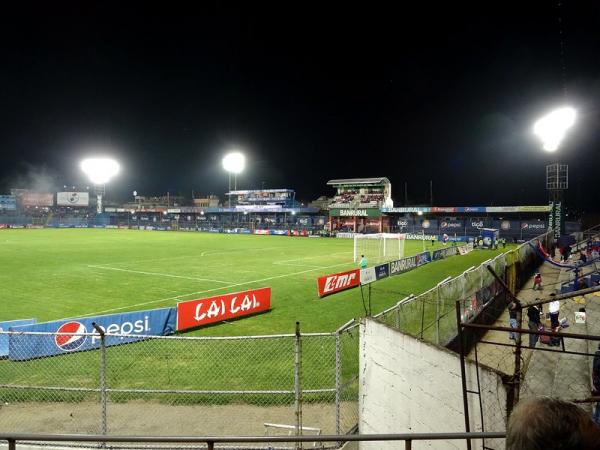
(357, 205)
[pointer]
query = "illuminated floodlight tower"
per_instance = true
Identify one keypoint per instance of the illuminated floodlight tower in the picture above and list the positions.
(233, 163)
(100, 171)
(552, 129)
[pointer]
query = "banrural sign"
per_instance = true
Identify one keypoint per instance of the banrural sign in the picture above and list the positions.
(351, 212)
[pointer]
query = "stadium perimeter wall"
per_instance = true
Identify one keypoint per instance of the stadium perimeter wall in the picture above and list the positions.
(410, 386)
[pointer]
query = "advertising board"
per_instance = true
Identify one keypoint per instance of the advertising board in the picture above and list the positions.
(203, 311)
(336, 282)
(4, 326)
(76, 199)
(444, 253)
(8, 202)
(410, 262)
(76, 335)
(36, 199)
(367, 275)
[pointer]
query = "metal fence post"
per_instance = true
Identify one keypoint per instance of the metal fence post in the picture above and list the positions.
(338, 379)
(297, 383)
(103, 396)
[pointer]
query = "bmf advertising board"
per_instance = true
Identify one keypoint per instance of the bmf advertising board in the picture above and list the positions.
(76, 335)
(195, 313)
(336, 282)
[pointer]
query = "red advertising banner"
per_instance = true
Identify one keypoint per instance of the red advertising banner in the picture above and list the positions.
(195, 313)
(336, 282)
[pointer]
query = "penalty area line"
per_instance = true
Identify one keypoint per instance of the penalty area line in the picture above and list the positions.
(205, 291)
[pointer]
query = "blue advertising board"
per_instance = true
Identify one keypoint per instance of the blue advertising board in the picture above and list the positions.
(8, 202)
(382, 271)
(444, 253)
(4, 326)
(409, 263)
(79, 334)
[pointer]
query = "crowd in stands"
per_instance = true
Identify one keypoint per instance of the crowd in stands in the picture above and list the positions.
(354, 197)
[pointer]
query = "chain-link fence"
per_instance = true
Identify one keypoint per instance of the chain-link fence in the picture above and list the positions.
(431, 315)
(249, 385)
(552, 354)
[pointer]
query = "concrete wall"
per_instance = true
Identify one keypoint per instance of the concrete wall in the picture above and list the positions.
(409, 386)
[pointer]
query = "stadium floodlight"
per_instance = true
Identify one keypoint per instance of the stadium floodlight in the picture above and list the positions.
(234, 163)
(552, 128)
(100, 171)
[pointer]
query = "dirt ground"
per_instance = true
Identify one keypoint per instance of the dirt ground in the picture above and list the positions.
(139, 417)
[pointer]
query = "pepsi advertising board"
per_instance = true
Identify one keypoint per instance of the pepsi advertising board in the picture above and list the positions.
(5, 326)
(79, 335)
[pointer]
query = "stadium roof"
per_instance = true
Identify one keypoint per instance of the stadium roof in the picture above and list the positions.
(353, 181)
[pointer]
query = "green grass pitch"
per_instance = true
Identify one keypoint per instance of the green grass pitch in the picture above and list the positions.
(53, 274)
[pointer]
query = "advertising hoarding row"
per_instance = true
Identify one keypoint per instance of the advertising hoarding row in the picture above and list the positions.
(30, 340)
(468, 209)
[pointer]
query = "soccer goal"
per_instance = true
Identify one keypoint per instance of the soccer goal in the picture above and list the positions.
(379, 246)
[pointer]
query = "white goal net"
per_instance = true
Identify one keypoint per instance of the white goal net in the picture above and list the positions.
(379, 247)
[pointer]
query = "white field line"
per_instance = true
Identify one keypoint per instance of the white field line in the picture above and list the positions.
(141, 272)
(311, 257)
(176, 297)
(202, 254)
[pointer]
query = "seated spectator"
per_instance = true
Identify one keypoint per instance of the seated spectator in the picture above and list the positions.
(547, 423)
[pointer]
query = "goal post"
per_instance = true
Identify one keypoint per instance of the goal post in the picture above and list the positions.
(379, 246)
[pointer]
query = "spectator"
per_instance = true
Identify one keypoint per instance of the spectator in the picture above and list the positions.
(596, 383)
(582, 258)
(554, 310)
(537, 281)
(512, 318)
(546, 423)
(533, 314)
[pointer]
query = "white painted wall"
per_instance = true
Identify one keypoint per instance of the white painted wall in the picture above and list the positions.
(409, 386)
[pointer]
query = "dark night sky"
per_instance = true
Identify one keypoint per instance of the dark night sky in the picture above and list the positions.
(309, 92)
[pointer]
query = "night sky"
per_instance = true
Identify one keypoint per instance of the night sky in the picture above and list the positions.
(309, 91)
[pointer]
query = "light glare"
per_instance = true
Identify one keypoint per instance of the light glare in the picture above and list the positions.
(552, 128)
(234, 162)
(100, 170)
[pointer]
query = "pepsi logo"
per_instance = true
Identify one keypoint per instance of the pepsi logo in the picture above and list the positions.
(66, 342)
(444, 225)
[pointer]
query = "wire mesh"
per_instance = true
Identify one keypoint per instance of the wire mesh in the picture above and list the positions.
(182, 386)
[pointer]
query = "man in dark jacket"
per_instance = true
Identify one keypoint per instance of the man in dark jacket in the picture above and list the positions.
(533, 314)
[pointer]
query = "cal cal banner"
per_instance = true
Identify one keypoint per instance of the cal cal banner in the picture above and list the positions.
(79, 334)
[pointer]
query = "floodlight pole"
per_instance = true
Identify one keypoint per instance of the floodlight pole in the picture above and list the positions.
(100, 189)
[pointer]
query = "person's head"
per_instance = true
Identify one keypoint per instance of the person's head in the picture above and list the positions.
(362, 256)
(544, 423)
